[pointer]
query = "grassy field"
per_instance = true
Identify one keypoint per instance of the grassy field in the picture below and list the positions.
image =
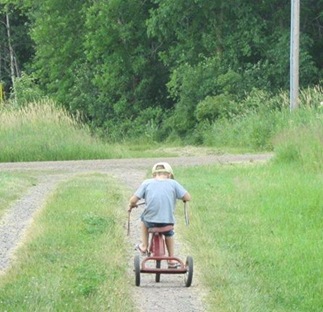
(255, 233)
(74, 256)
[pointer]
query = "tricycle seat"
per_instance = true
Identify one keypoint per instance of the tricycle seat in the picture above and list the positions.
(162, 229)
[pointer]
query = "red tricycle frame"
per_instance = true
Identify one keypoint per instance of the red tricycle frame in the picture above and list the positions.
(156, 255)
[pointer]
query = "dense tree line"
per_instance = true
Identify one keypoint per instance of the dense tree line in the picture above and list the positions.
(129, 64)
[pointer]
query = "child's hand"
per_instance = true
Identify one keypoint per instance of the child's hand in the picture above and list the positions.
(131, 207)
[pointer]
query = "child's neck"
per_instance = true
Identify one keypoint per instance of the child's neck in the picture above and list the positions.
(161, 177)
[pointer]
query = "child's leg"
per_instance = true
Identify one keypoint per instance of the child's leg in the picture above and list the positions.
(170, 245)
(144, 237)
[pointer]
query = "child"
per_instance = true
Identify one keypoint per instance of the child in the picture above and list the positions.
(160, 194)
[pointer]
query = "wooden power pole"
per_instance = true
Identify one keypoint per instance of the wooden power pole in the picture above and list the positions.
(12, 57)
(294, 53)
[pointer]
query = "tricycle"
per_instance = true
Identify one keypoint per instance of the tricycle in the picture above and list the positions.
(155, 259)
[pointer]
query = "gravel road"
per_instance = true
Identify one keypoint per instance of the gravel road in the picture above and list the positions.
(168, 295)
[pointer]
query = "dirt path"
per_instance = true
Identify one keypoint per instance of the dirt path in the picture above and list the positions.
(168, 295)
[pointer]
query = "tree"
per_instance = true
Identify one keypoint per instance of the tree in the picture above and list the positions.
(57, 31)
(103, 65)
(122, 63)
(15, 44)
(126, 74)
(224, 47)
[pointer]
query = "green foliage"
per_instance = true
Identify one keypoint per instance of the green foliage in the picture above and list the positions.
(187, 30)
(125, 72)
(252, 132)
(215, 107)
(257, 119)
(123, 57)
(147, 127)
(26, 91)
(190, 85)
(44, 131)
(57, 32)
(20, 41)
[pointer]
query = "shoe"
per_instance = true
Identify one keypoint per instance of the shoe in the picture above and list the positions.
(173, 265)
(142, 251)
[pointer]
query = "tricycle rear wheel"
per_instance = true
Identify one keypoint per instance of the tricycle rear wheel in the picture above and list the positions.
(189, 273)
(137, 270)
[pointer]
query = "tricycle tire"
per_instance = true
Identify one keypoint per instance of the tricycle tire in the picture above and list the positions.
(158, 264)
(189, 273)
(137, 270)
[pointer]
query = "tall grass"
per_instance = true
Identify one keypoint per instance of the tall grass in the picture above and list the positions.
(256, 131)
(255, 128)
(302, 144)
(42, 131)
(256, 236)
(74, 257)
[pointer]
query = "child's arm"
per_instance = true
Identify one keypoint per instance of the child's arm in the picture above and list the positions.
(133, 202)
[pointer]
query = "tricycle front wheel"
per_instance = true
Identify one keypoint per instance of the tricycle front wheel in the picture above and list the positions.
(158, 265)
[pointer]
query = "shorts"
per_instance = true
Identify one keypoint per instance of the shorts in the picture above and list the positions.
(152, 224)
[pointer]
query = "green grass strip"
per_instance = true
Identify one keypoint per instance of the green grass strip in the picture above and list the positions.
(74, 258)
(256, 236)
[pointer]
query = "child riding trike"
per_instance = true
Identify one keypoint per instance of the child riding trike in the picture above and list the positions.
(156, 261)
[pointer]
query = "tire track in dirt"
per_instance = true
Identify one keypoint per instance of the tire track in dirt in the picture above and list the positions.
(168, 295)
(15, 222)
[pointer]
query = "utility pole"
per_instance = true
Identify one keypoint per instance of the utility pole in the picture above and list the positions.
(12, 57)
(294, 54)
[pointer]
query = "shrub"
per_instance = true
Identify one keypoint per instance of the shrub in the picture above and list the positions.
(214, 107)
(26, 91)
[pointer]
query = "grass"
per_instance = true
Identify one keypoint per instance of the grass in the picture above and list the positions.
(74, 258)
(255, 131)
(302, 144)
(41, 131)
(256, 234)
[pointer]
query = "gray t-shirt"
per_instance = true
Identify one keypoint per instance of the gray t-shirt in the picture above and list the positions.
(160, 197)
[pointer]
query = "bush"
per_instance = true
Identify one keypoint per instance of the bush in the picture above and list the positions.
(26, 91)
(145, 127)
(214, 107)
